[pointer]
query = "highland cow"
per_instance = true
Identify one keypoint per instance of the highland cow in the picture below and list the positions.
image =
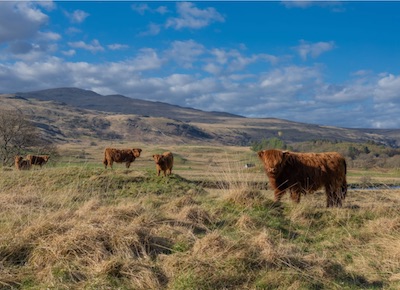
(126, 156)
(164, 163)
(38, 159)
(22, 164)
(300, 173)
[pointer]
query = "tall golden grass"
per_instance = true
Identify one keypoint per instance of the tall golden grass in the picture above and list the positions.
(83, 227)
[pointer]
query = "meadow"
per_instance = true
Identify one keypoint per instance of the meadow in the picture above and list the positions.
(212, 224)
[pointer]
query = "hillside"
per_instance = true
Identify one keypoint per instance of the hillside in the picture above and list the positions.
(68, 114)
(85, 99)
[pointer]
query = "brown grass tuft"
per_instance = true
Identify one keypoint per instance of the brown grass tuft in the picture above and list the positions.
(246, 223)
(246, 197)
(196, 215)
(211, 245)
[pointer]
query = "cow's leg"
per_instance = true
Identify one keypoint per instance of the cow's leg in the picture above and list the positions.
(338, 195)
(328, 200)
(158, 172)
(278, 194)
(295, 196)
(127, 164)
(330, 196)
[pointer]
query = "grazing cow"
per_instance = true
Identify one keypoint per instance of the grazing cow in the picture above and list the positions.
(306, 172)
(38, 159)
(22, 164)
(120, 155)
(164, 162)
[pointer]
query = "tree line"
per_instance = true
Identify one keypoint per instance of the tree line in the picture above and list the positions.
(18, 135)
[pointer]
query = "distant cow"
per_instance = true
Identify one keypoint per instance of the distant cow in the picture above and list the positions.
(164, 163)
(306, 172)
(21, 163)
(38, 159)
(126, 156)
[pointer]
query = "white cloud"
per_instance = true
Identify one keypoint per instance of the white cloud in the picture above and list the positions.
(52, 36)
(143, 8)
(20, 20)
(70, 52)
(93, 47)
(185, 53)
(306, 49)
(140, 8)
(388, 88)
(192, 17)
(147, 59)
(212, 68)
(152, 29)
(290, 79)
(335, 6)
(117, 46)
(232, 60)
(78, 16)
(162, 10)
(73, 30)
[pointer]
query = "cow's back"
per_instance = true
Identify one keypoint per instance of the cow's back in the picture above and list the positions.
(169, 160)
(312, 171)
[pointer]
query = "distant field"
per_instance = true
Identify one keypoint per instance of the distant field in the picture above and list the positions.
(209, 162)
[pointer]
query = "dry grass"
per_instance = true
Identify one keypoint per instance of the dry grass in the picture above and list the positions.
(83, 227)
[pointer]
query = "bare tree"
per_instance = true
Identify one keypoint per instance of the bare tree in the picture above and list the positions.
(17, 134)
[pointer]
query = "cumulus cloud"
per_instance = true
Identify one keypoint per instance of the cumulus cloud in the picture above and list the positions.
(143, 8)
(20, 20)
(189, 16)
(78, 16)
(306, 49)
(52, 36)
(232, 60)
(388, 88)
(140, 8)
(147, 59)
(185, 53)
(152, 29)
(93, 47)
(70, 52)
(335, 6)
(117, 46)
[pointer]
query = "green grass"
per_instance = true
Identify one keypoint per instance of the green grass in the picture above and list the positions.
(83, 227)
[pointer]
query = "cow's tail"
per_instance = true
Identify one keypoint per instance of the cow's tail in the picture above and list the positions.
(344, 184)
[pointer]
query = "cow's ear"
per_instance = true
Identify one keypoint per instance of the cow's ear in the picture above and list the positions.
(260, 153)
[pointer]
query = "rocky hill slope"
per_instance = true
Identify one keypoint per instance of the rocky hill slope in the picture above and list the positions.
(69, 114)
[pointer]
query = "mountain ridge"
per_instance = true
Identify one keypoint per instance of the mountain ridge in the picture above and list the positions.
(64, 114)
(87, 99)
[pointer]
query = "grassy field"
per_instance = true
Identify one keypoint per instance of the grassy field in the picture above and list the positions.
(75, 225)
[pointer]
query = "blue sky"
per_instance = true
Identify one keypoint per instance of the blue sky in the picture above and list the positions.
(326, 63)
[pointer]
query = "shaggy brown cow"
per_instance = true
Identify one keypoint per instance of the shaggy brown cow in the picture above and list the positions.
(164, 163)
(306, 172)
(38, 159)
(22, 164)
(120, 155)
